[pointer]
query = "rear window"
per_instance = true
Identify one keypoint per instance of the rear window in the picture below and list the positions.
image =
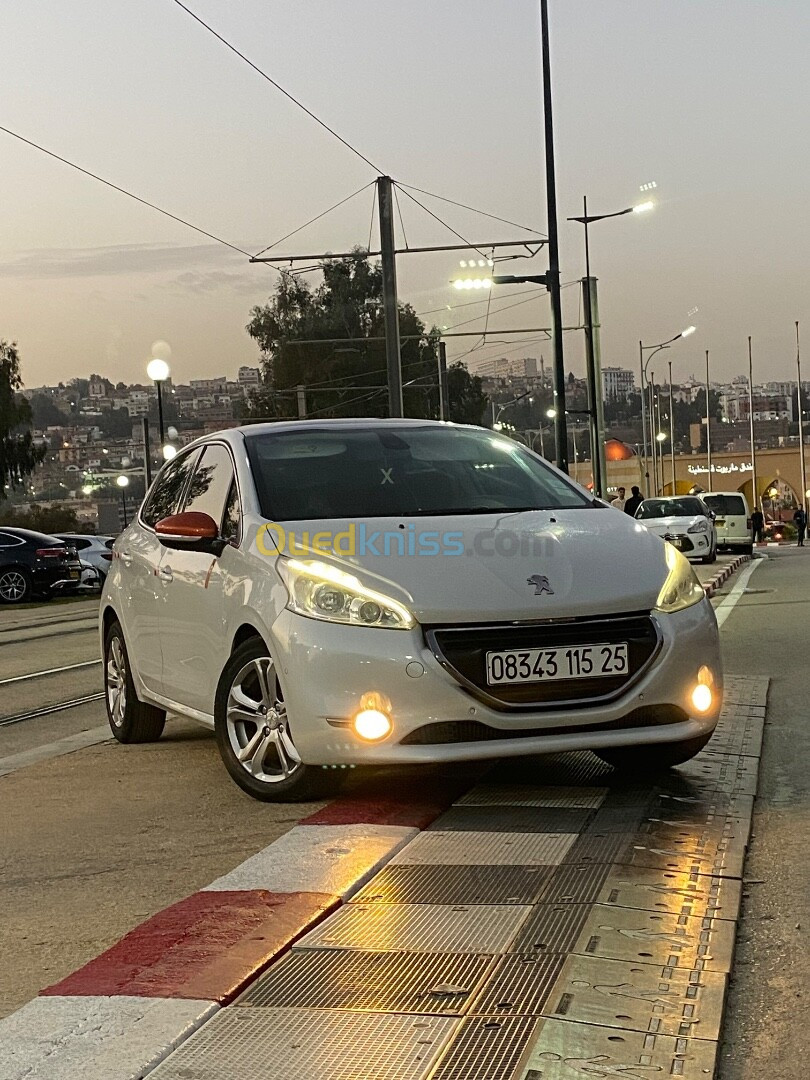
(401, 472)
(726, 505)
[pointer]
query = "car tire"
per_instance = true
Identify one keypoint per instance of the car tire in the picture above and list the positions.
(15, 585)
(653, 758)
(710, 558)
(252, 730)
(131, 720)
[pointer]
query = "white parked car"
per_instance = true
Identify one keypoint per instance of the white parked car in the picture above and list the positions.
(732, 520)
(354, 592)
(95, 555)
(685, 521)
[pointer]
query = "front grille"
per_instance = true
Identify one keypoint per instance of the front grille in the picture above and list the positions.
(684, 543)
(472, 731)
(462, 651)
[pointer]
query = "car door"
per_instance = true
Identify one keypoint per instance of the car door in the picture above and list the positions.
(139, 553)
(193, 583)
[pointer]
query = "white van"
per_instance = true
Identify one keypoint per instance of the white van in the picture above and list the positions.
(732, 520)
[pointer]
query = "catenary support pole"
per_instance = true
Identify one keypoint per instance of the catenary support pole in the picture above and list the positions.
(159, 386)
(642, 391)
(803, 499)
(444, 397)
(754, 492)
(708, 425)
(301, 400)
(671, 434)
(393, 361)
(553, 276)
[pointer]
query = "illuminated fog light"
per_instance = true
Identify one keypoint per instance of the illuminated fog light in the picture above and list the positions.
(372, 725)
(702, 697)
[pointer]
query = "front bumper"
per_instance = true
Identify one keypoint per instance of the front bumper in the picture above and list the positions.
(327, 669)
(692, 545)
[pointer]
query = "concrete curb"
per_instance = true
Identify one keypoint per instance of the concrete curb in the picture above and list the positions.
(121, 1014)
(710, 587)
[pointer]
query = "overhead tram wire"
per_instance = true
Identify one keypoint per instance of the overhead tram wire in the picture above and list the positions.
(124, 191)
(317, 217)
(278, 86)
(440, 220)
(473, 209)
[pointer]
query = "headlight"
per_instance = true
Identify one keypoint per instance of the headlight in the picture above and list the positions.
(681, 588)
(700, 526)
(322, 591)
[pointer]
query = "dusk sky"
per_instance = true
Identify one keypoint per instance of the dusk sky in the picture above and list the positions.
(708, 98)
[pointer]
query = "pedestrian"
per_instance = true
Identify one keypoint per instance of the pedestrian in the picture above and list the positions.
(758, 525)
(800, 521)
(634, 502)
(618, 502)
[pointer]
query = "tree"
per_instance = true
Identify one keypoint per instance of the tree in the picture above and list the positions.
(467, 400)
(43, 519)
(46, 413)
(18, 455)
(301, 331)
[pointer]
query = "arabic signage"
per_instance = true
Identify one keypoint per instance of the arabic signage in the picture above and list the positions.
(733, 467)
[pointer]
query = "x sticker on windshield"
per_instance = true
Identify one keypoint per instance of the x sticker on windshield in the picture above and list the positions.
(387, 478)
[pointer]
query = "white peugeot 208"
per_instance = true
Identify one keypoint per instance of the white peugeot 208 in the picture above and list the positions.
(355, 592)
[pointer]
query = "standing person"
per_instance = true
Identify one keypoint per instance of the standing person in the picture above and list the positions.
(800, 521)
(634, 502)
(619, 501)
(757, 525)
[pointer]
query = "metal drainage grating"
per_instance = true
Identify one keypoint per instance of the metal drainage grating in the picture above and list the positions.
(486, 1048)
(644, 937)
(455, 885)
(418, 928)
(433, 983)
(554, 770)
(678, 890)
(302, 1044)
(576, 883)
(741, 738)
(485, 849)
(746, 689)
(708, 850)
(638, 997)
(734, 711)
(563, 1051)
(526, 819)
(704, 808)
(588, 798)
(725, 771)
(520, 987)
(552, 928)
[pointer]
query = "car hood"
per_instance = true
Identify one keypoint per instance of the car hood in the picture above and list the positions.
(511, 566)
(661, 526)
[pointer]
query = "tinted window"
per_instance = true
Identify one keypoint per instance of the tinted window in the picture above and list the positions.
(211, 482)
(80, 545)
(9, 541)
(724, 505)
(401, 472)
(164, 498)
(660, 508)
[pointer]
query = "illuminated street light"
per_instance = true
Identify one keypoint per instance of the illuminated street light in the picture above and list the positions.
(661, 436)
(169, 452)
(643, 207)
(158, 371)
(87, 490)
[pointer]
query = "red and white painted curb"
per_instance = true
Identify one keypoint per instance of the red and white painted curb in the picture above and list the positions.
(121, 1014)
(710, 587)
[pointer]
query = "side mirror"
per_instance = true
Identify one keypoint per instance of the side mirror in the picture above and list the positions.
(191, 531)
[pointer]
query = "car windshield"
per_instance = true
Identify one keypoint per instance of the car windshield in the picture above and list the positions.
(724, 505)
(662, 508)
(382, 471)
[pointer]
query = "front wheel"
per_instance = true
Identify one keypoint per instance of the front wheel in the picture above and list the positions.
(15, 585)
(131, 720)
(253, 731)
(653, 758)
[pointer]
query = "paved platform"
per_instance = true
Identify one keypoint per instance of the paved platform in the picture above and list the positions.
(557, 922)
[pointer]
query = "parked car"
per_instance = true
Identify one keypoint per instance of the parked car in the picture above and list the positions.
(33, 563)
(685, 521)
(732, 520)
(372, 592)
(95, 555)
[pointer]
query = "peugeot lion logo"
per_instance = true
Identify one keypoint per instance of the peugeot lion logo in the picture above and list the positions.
(541, 585)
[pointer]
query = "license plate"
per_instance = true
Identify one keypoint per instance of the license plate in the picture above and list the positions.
(74, 574)
(719, 522)
(676, 541)
(556, 663)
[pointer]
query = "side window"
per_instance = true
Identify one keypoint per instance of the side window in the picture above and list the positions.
(164, 498)
(232, 518)
(6, 540)
(211, 483)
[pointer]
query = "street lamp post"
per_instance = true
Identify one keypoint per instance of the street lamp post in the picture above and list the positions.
(754, 496)
(594, 379)
(671, 433)
(123, 482)
(158, 371)
(652, 349)
(708, 425)
(801, 424)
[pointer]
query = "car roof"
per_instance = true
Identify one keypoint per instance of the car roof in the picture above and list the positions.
(358, 423)
(33, 537)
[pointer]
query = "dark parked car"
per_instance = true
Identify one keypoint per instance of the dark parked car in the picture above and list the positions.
(34, 563)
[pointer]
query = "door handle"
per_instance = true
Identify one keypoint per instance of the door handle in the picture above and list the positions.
(125, 557)
(165, 573)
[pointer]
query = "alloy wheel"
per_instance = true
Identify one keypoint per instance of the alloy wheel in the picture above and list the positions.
(12, 586)
(257, 725)
(116, 682)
